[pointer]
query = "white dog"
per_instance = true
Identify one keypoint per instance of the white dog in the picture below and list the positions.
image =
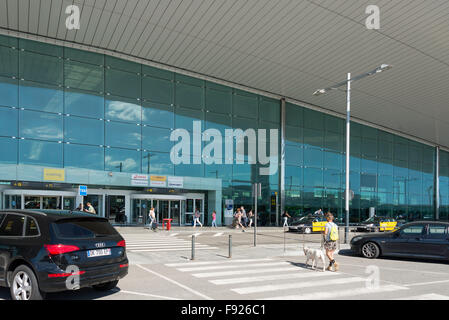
(314, 254)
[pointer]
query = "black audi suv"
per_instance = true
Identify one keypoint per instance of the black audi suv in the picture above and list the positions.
(46, 252)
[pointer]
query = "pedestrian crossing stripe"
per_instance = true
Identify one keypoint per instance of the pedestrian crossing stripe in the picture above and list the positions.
(288, 276)
(182, 264)
(298, 285)
(430, 296)
(255, 265)
(241, 272)
(339, 294)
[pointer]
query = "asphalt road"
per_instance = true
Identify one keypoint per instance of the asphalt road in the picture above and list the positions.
(161, 269)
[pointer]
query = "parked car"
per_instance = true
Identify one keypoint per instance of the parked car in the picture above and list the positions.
(308, 224)
(43, 252)
(377, 224)
(416, 239)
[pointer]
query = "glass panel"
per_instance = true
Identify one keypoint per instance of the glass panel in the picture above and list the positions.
(156, 139)
(294, 136)
(160, 163)
(246, 106)
(9, 92)
(8, 122)
(40, 125)
(314, 138)
(85, 157)
(119, 160)
(190, 170)
(116, 212)
(40, 68)
(84, 56)
(334, 124)
(158, 73)
(51, 203)
(40, 47)
(294, 115)
(40, 153)
(41, 97)
(313, 157)
(313, 119)
(9, 59)
(270, 110)
(9, 41)
(84, 131)
(294, 155)
(69, 203)
(123, 135)
(122, 109)
(218, 101)
(189, 96)
(123, 84)
(9, 150)
(293, 176)
(84, 104)
(158, 115)
(175, 207)
(32, 202)
(189, 80)
(158, 90)
(184, 118)
(121, 64)
(333, 160)
(83, 76)
(313, 177)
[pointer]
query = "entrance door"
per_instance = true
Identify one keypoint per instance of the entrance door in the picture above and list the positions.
(164, 210)
(116, 209)
(95, 201)
(174, 211)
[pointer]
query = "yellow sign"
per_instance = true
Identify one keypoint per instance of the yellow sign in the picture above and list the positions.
(158, 178)
(388, 226)
(54, 175)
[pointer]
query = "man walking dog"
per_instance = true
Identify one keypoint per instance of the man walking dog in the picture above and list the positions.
(330, 241)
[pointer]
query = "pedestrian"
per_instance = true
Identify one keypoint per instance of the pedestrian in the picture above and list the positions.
(250, 216)
(330, 241)
(285, 216)
(152, 216)
(236, 218)
(239, 220)
(196, 219)
(214, 219)
(244, 217)
(80, 207)
(319, 212)
(90, 209)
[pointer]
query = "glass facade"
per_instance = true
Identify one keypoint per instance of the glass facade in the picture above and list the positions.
(66, 108)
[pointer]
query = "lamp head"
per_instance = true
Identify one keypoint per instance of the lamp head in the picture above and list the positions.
(320, 92)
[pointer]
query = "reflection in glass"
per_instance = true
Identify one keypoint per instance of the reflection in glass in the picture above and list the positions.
(40, 125)
(40, 97)
(86, 157)
(8, 147)
(83, 76)
(123, 135)
(122, 109)
(81, 103)
(8, 122)
(40, 68)
(40, 153)
(120, 160)
(158, 115)
(9, 90)
(84, 130)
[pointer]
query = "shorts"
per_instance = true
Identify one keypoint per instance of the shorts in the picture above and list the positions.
(330, 245)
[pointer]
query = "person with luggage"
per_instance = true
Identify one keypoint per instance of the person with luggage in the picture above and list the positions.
(152, 216)
(196, 219)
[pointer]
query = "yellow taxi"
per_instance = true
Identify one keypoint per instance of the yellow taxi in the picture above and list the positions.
(378, 224)
(308, 224)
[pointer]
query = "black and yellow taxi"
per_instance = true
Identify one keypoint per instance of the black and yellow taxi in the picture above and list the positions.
(377, 224)
(308, 224)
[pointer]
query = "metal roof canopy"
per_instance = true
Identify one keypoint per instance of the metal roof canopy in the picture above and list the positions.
(288, 48)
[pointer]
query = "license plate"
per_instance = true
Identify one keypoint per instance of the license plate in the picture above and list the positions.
(98, 253)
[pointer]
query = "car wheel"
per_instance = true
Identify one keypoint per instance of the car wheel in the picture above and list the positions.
(307, 230)
(24, 285)
(106, 286)
(370, 250)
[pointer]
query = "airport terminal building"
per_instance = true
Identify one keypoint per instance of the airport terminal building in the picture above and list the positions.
(76, 114)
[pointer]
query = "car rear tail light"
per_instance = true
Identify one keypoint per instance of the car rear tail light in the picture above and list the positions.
(65, 275)
(123, 265)
(55, 249)
(121, 244)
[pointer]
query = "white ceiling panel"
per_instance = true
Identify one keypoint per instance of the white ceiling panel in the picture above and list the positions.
(285, 47)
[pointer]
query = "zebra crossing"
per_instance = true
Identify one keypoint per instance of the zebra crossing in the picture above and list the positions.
(144, 243)
(271, 279)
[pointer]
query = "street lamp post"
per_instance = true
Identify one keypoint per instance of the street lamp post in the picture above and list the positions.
(347, 83)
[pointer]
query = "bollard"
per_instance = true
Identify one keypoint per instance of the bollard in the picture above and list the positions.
(230, 246)
(193, 247)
